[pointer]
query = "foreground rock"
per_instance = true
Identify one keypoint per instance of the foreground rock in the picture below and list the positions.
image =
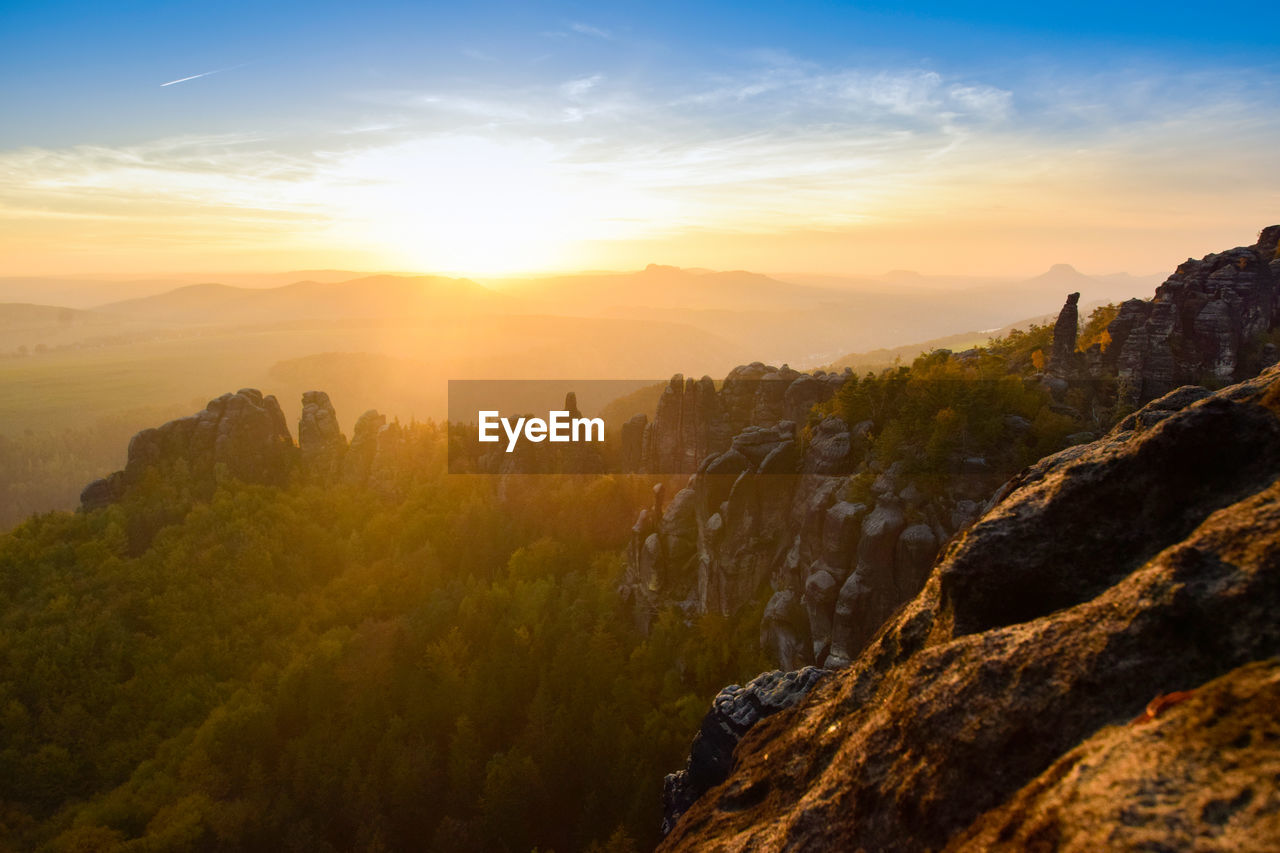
(733, 712)
(1141, 565)
(1101, 795)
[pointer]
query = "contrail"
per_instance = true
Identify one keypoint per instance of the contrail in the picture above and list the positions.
(205, 74)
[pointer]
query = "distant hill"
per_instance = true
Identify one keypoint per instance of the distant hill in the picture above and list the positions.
(26, 325)
(1116, 287)
(21, 315)
(1028, 297)
(381, 296)
(78, 292)
(184, 304)
(813, 320)
(200, 337)
(661, 287)
(802, 320)
(1061, 275)
(879, 359)
(89, 291)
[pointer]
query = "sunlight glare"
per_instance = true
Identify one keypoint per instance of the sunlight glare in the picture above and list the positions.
(474, 206)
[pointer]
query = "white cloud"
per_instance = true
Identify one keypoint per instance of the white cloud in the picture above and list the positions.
(790, 91)
(981, 101)
(575, 89)
(478, 55)
(589, 30)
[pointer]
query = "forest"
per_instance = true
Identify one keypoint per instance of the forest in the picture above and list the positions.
(321, 668)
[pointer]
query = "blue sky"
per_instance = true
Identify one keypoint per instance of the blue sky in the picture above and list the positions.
(514, 136)
(77, 72)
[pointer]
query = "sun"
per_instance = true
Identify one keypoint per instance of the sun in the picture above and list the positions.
(473, 206)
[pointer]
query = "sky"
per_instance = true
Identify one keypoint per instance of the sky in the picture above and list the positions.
(490, 139)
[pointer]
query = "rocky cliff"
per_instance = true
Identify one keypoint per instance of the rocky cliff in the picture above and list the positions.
(764, 514)
(762, 511)
(244, 435)
(1202, 326)
(694, 418)
(1090, 665)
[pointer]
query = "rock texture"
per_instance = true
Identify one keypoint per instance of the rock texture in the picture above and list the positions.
(766, 515)
(364, 446)
(633, 443)
(993, 710)
(733, 712)
(321, 443)
(1201, 324)
(244, 436)
(1115, 791)
(695, 420)
(1062, 359)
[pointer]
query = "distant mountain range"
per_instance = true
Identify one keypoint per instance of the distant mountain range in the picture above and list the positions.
(423, 330)
(810, 320)
(802, 320)
(369, 297)
(92, 291)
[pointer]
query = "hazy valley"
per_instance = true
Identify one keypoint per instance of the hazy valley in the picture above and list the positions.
(189, 341)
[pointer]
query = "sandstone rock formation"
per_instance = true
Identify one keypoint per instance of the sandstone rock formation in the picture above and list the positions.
(1065, 330)
(321, 444)
(995, 709)
(694, 419)
(1200, 326)
(364, 446)
(244, 436)
(763, 514)
(633, 443)
(102, 492)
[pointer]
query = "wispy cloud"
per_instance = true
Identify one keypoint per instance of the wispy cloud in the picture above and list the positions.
(194, 172)
(799, 94)
(589, 30)
(204, 74)
(575, 89)
(478, 55)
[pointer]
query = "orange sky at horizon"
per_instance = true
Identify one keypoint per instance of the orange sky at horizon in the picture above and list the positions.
(930, 248)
